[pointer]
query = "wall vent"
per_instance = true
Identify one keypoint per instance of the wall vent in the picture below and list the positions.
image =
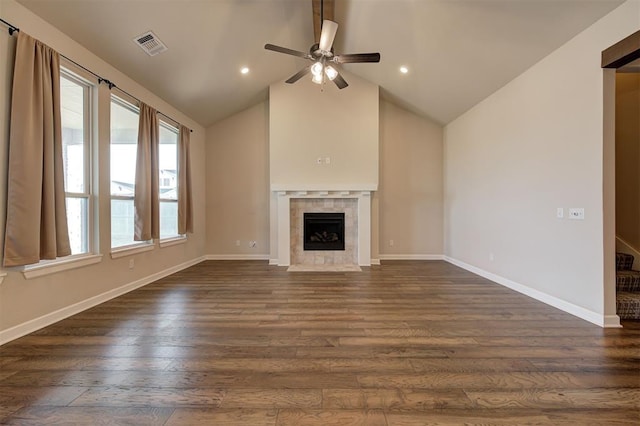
(150, 43)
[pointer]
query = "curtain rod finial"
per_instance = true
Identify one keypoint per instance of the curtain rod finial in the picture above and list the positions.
(12, 28)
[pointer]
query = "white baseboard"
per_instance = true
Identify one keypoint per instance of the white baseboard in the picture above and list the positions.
(578, 311)
(411, 257)
(53, 317)
(238, 257)
(375, 261)
(612, 321)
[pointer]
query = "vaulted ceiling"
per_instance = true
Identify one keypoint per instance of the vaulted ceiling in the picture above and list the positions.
(457, 51)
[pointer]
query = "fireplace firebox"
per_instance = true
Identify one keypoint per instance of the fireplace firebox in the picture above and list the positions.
(323, 231)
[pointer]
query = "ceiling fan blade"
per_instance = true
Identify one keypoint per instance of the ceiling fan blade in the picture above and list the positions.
(350, 58)
(287, 51)
(329, 29)
(340, 82)
(297, 76)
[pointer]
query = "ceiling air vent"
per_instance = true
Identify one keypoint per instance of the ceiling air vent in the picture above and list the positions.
(150, 43)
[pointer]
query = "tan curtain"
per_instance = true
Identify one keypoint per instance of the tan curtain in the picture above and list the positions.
(36, 226)
(147, 198)
(185, 207)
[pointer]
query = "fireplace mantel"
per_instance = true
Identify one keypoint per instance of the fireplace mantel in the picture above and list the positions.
(284, 195)
(324, 188)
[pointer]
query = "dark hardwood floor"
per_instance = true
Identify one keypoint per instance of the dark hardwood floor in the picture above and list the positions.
(243, 343)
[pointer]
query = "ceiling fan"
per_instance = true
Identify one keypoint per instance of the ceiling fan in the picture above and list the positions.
(323, 56)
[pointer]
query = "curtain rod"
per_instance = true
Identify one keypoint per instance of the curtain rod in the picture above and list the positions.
(14, 29)
(112, 85)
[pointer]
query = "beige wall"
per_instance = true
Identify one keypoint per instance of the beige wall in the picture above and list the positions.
(628, 158)
(307, 123)
(408, 207)
(237, 158)
(410, 197)
(35, 300)
(531, 147)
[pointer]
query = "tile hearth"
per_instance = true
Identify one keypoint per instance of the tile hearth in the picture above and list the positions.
(324, 268)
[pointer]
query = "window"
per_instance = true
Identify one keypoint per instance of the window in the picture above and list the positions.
(124, 146)
(75, 102)
(168, 178)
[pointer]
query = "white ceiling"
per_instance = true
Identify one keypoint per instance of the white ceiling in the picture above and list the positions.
(458, 51)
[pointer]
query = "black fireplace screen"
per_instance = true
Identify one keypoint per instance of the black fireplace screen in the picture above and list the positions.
(324, 231)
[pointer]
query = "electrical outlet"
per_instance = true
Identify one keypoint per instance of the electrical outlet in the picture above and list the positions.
(253, 244)
(319, 160)
(576, 213)
(491, 257)
(391, 243)
(327, 160)
(132, 263)
(559, 212)
(237, 243)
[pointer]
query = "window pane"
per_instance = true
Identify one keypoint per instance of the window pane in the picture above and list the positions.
(122, 214)
(168, 175)
(77, 214)
(76, 143)
(123, 149)
(72, 102)
(124, 141)
(168, 160)
(168, 219)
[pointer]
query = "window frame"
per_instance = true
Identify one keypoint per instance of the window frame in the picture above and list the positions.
(136, 246)
(88, 90)
(89, 84)
(177, 238)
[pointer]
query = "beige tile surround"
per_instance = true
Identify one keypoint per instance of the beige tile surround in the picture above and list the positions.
(355, 203)
(348, 206)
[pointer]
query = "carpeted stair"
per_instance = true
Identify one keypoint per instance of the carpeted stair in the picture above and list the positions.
(627, 288)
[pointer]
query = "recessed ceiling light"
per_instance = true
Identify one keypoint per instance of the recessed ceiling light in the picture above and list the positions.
(244, 70)
(404, 69)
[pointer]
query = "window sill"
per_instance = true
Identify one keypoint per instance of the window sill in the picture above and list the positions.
(131, 250)
(52, 267)
(168, 242)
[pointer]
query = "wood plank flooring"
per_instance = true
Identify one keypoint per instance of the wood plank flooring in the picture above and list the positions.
(244, 343)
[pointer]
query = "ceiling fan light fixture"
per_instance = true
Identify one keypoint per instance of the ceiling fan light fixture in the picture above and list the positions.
(317, 79)
(317, 68)
(330, 72)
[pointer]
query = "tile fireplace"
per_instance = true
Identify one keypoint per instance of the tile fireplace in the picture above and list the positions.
(352, 207)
